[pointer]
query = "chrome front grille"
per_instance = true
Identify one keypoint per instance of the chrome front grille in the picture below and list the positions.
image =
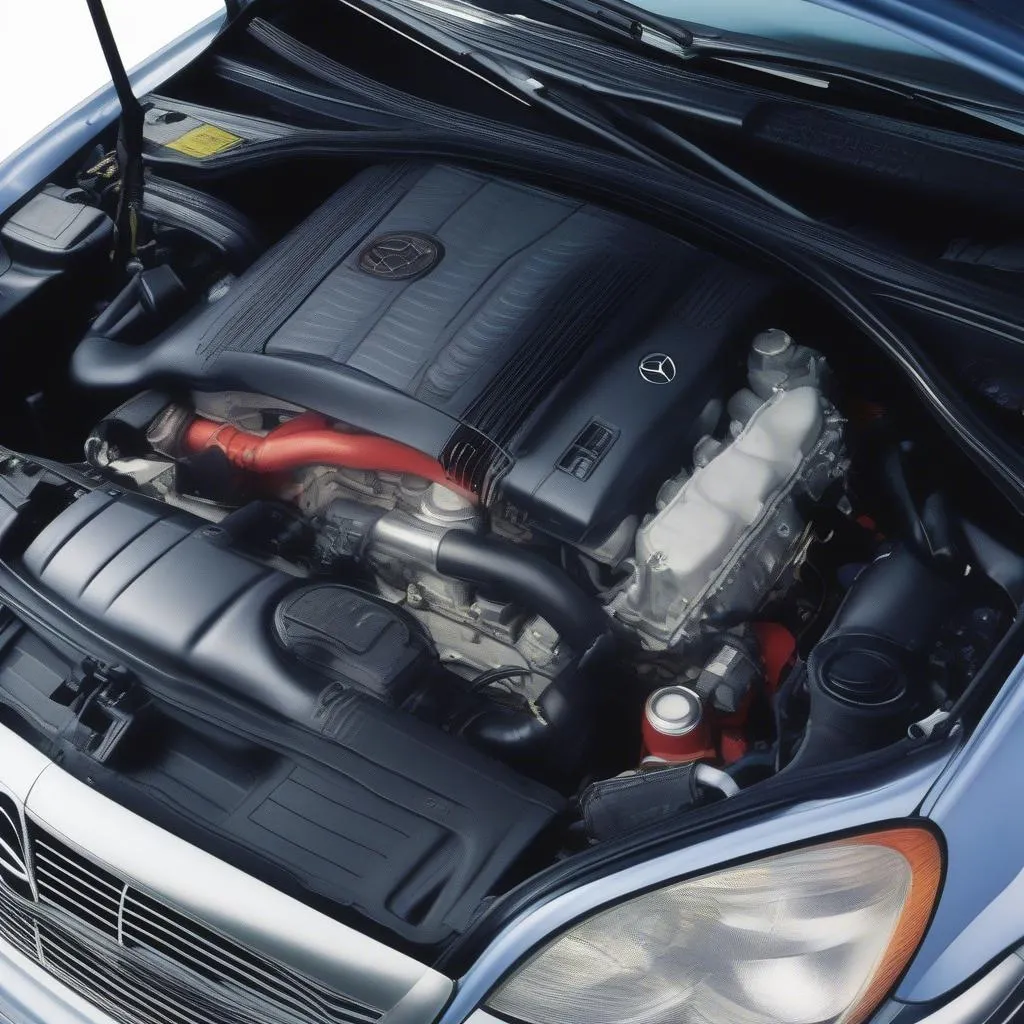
(126, 998)
(69, 882)
(138, 959)
(16, 927)
(150, 925)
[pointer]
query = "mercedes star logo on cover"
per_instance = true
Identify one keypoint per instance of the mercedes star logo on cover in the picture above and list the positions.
(658, 368)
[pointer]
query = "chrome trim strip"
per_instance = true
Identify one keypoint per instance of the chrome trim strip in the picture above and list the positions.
(11, 859)
(994, 998)
(213, 892)
(120, 914)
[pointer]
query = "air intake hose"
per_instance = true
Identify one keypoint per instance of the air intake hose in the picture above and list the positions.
(553, 733)
(309, 440)
(529, 580)
(867, 674)
(552, 736)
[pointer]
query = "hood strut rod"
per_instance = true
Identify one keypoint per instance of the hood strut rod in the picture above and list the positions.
(129, 143)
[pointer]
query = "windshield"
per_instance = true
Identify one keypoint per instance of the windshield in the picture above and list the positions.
(802, 28)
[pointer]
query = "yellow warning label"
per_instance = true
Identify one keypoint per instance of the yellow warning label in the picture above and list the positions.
(204, 140)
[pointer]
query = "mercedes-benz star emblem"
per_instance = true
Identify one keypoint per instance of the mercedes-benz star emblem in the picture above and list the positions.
(400, 256)
(658, 368)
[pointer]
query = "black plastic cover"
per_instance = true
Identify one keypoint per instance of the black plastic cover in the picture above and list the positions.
(479, 320)
(336, 796)
(49, 228)
(868, 673)
(615, 807)
(392, 823)
(645, 428)
(40, 244)
(353, 640)
(161, 580)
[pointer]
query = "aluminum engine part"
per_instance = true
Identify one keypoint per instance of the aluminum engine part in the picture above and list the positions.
(471, 633)
(315, 488)
(470, 648)
(777, 363)
(723, 538)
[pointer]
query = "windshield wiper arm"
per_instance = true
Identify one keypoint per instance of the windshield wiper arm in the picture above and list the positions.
(808, 70)
(445, 46)
(689, 43)
(626, 19)
(524, 84)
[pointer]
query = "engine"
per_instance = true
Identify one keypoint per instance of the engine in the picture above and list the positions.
(445, 513)
(535, 349)
(540, 469)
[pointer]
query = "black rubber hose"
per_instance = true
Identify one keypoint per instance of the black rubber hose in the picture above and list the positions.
(499, 566)
(552, 736)
(928, 527)
(550, 741)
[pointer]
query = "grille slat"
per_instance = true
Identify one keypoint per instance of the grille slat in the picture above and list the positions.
(144, 936)
(100, 985)
(172, 935)
(62, 892)
(16, 926)
(105, 899)
(75, 903)
(74, 868)
(173, 930)
(103, 922)
(106, 969)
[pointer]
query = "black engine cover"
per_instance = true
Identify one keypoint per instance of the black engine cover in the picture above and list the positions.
(333, 793)
(490, 324)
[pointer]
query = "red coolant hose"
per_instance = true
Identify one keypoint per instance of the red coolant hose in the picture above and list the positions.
(308, 440)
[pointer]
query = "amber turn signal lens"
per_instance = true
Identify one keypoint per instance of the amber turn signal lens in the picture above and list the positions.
(921, 850)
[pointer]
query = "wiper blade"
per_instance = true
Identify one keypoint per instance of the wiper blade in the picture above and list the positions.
(567, 104)
(778, 62)
(693, 44)
(623, 18)
(500, 72)
(448, 48)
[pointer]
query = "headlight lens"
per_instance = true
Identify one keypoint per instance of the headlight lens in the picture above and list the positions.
(812, 936)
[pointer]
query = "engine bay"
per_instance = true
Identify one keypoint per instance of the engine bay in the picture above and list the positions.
(467, 526)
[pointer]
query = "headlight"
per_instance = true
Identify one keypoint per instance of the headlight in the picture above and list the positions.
(812, 936)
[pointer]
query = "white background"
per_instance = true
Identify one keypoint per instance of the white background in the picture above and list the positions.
(50, 59)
